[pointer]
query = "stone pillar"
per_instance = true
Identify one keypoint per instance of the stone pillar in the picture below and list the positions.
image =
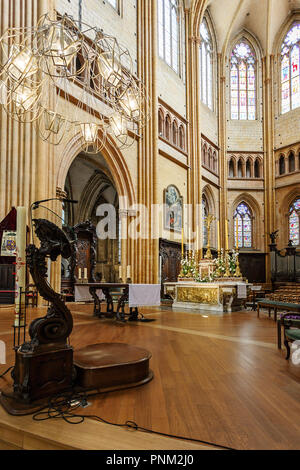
(147, 251)
(223, 151)
(269, 157)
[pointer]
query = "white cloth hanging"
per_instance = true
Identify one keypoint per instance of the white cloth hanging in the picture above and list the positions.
(144, 295)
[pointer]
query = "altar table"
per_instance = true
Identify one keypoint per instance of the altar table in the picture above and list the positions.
(218, 297)
(122, 290)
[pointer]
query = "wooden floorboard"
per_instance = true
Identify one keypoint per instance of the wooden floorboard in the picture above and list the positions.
(219, 379)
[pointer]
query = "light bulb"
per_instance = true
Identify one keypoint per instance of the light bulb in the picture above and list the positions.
(24, 97)
(118, 124)
(89, 132)
(60, 46)
(22, 63)
(53, 121)
(129, 102)
(110, 68)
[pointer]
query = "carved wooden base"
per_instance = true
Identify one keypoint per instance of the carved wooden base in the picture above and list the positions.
(37, 377)
(16, 407)
(108, 367)
(43, 373)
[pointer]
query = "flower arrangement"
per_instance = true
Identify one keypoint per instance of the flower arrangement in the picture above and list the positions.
(188, 267)
(226, 265)
(227, 260)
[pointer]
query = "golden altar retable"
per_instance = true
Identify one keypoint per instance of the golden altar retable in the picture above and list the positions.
(219, 296)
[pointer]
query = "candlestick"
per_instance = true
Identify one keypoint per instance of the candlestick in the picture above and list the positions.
(128, 272)
(219, 237)
(237, 234)
(226, 236)
(79, 274)
(182, 243)
(21, 259)
(85, 273)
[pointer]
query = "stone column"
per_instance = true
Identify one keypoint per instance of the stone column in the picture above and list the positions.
(223, 150)
(269, 157)
(147, 251)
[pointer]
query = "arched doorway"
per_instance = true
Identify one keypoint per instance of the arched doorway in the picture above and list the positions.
(89, 181)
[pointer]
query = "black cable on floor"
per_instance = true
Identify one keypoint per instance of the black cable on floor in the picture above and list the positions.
(6, 372)
(63, 407)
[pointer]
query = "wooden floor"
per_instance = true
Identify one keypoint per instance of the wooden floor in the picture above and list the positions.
(217, 378)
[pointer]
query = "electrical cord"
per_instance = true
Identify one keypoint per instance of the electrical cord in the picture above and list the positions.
(6, 372)
(63, 407)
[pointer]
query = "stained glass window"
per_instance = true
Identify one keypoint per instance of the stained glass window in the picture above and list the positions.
(206, 88)
(243, 226)
(205, 213)
(294, 222)
(243, 82)
(169, 32)
(290, 64)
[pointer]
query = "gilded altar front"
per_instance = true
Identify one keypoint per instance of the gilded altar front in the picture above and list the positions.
(209, 296)
(218, 297)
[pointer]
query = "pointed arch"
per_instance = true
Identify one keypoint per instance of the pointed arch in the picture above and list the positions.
(255, 211)
(115, 160)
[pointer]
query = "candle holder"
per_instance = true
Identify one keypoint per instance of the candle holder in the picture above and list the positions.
(227, 272)
(237, 270)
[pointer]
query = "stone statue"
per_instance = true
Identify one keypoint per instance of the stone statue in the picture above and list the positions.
(274, 236)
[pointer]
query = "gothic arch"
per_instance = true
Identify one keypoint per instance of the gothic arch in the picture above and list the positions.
(254, 206)
(284, 211)
(250, 39)
(115, 160)
(93, 189)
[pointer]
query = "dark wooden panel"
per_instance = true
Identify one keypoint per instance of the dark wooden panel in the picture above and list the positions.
(170, 253)
(253, 266)
(7, 283)
(9, 223)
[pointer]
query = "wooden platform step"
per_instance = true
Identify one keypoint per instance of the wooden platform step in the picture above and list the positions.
(22, 433)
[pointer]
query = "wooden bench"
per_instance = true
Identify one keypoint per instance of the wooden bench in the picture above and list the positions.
(276, 305)
(291, 324)
(287, 320)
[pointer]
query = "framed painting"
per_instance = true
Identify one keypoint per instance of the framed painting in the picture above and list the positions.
(173, 203)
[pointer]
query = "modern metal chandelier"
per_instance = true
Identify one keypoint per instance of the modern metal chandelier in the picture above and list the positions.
(69, 78)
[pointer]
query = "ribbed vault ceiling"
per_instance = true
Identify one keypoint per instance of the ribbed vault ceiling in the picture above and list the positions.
(263, 18)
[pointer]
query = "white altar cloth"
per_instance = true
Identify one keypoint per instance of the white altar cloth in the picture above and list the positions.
(82, 294)
(144, 295)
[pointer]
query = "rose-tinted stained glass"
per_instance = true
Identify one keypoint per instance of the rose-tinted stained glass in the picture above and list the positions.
(294, 222)
(295, 93)
(243, 80)
(285, 69)
(290, 70)
(244, 233)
